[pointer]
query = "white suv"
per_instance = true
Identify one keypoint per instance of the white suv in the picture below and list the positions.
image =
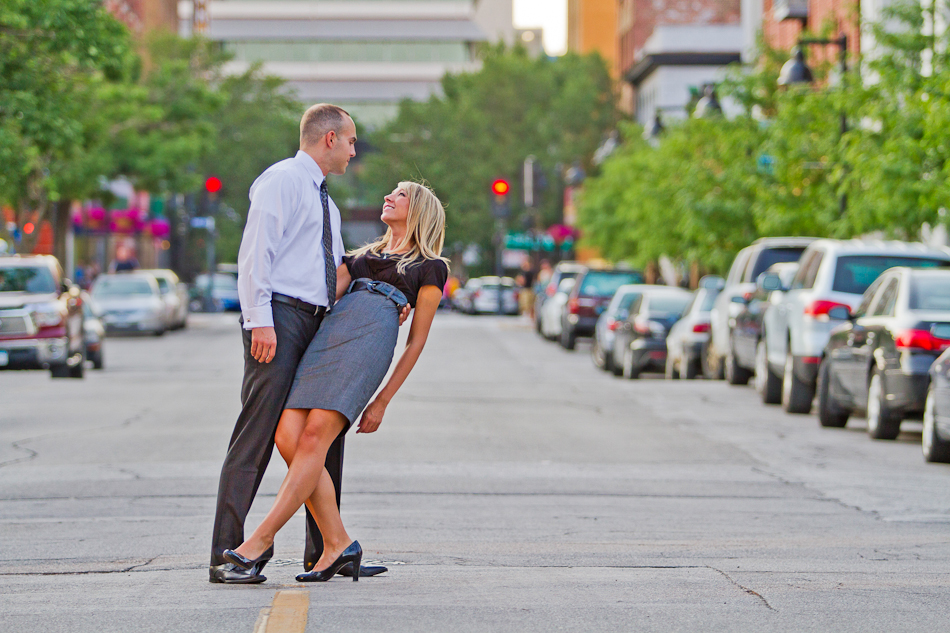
(832, 273)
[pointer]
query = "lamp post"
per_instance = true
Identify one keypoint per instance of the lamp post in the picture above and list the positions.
(796, 72)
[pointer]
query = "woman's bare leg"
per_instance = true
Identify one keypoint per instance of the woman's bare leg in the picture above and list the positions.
(289, 429)
(305, 472)
(327, 515)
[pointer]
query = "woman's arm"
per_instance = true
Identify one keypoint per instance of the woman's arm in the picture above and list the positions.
(426, 305)
(343, 280)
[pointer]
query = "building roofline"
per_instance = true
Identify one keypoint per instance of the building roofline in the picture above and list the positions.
(650, 62)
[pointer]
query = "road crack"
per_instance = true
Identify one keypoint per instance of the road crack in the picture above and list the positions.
(751, 592)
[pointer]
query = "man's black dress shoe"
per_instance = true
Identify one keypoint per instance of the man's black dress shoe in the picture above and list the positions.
(365, 570)
(233, 575)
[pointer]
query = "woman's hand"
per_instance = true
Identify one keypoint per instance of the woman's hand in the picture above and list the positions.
(372, 417)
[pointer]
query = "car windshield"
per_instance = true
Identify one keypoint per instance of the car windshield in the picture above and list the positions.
(23, 279)
(930, 292)
(162, 284)
(770, 256)
(121, 287)
(605, 284)
(708, 300)
(221, 282)
(854, 273)
(626, 301)
(668, 305)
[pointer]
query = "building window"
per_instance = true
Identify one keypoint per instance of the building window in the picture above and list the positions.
(284, 51)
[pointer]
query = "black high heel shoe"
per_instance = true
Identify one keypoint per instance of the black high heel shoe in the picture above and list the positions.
(246, 563)
(352, 554)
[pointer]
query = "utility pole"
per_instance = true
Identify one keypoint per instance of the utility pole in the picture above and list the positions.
(199, 17)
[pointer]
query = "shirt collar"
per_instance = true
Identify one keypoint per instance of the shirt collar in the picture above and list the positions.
(311, 166)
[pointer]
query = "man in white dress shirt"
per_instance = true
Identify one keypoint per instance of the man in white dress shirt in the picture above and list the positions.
(290, 248)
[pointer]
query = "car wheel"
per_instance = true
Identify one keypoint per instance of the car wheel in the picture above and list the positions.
(883, 422)
(934, 448)
(692, 369)
(97, 360)
(568, 339)
(59, 371)
(734, 374)
(628, 369)
(160, 332)
(671, 372)
(796, 393)
(830, 413)
(78, 370)
(767, 384)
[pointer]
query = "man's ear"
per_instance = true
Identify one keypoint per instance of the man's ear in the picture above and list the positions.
(330, 138)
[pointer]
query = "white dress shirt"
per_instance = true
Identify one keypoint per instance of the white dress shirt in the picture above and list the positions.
(282, 248)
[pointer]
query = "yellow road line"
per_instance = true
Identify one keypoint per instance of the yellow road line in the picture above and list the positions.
(286, 614)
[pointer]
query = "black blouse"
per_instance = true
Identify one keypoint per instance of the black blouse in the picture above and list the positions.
(428, 272)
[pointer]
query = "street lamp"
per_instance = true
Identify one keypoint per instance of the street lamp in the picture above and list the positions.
(653, 131)
(796, 72)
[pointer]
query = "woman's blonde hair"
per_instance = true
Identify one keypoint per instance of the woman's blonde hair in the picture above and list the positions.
(425, 229)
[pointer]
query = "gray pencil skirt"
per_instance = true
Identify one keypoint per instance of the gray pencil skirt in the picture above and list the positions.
(348, 357)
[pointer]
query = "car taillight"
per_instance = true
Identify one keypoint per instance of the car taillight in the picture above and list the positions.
(642, 327)
(699, 328)
(819, 309)
(613, 325)
(572, 305)
(920, 339)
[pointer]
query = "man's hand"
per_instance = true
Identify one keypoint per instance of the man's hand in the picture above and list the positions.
(263, 344)
(404, 314)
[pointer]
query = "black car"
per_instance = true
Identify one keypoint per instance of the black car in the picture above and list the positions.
(879, 361)
(935, 440)
(589, 298)
(640, 343)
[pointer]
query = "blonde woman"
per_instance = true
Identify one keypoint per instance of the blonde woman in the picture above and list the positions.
(345, 364)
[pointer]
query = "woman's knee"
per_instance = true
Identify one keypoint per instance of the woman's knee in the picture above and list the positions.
(322, 427)
(288, 432)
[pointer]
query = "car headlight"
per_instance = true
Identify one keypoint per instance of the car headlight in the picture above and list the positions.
(46, 315)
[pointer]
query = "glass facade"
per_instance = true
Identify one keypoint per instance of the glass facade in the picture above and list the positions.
(327, 51)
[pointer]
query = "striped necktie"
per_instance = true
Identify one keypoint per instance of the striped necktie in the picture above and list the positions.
(328, 245)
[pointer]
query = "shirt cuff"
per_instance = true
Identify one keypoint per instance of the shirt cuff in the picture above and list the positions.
(259, 316)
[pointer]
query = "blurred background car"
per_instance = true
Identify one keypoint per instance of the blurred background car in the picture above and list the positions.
(602, 345)
(484, 296)
(223, 293)
(94, 333)
(41, 318)
(562, 270)
(689, 336)
(462, 297)
(589, 297)
(749, 263)
(879, 359)
(743, 360)
(130, 302)
(935, 439)
(640, 342)
(832, 274)
(552, 308)
(175, 295)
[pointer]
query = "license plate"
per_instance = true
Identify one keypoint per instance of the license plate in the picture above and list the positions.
(4, 358)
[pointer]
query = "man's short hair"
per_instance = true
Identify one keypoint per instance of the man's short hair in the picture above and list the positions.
(320, 119)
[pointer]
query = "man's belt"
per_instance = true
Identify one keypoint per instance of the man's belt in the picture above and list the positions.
(300, 305)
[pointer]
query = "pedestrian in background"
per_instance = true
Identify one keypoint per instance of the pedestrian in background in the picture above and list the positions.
(526, 281)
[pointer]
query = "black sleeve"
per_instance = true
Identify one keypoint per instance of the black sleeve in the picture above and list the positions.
(348, 260)
(434, 273)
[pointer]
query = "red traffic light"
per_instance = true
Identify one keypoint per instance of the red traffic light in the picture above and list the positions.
(213, 184)
(500, 187)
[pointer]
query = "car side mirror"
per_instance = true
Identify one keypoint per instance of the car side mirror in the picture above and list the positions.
(840, 313)
(769, 282)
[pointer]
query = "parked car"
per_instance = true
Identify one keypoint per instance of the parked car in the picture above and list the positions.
(640, 342)
(94, 333)
(41, 320)
(832, 274)
(602, 345)
(749, 263)
(483, 295)
(130, 302)
(562, 271)
(879, 360)
(689, 336)
(589, 297)
(462, 298)
(224, 293)
(935, 439)
(175, 295)
(553, 307)
(744, 360)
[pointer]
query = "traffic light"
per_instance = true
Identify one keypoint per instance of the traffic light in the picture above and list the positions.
(213, 184)
(499, 207)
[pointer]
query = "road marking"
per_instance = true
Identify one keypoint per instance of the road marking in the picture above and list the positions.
(286, 614)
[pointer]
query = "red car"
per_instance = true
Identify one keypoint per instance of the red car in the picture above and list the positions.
(41, 318)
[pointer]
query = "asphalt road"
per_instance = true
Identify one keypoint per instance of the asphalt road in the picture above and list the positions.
(512, 487)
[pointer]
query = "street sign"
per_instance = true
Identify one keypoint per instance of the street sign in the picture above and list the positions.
(529, 242)
(202, 223)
